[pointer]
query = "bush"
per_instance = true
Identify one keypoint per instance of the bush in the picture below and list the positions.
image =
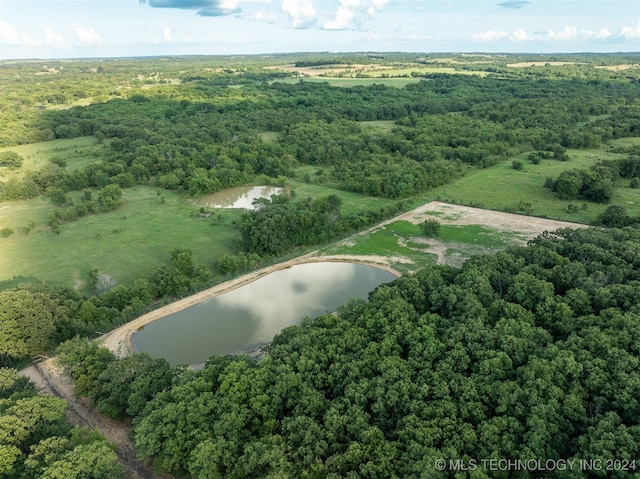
(430, 228)
(10, 159)
(6, 232)
(517, 165)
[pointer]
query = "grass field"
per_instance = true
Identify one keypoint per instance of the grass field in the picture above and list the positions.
(503, 188)
(77, 152)
(404, 246)
(349, 82)
(351, 202)
(131, 241)
(126, 243)
(384, 126)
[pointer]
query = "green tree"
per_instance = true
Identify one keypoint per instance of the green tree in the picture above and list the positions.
(28, 322)
(110, 197)
(430, 227)
(125, 386)
(10, 159)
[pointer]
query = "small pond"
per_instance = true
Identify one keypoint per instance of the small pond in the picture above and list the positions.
(240, 197)
(248, 317)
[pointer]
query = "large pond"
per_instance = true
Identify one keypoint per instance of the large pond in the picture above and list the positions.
(240, 197)
(249, 317)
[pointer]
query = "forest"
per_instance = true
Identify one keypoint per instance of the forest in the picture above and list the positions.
(36, 440)
(526, 353)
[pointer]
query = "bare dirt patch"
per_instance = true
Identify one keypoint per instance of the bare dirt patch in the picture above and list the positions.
(528, 226)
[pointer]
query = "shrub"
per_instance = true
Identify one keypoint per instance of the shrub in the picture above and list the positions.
(10, 159)
(430, 228)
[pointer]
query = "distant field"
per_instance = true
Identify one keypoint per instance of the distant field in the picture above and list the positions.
(77, 152)
(378, 71)
(618, 67)
(349, 82)
(541, 64)
(351, 202)
(503, 188)
(384, 126)
(269, 136)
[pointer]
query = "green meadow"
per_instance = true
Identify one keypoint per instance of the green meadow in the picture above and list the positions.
(77, 152)
(352, 203)
(403, 244)
(130, 242)
(522, 191)
(127, 243)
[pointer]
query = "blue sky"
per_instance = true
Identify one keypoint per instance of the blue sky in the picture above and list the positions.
(112, 28)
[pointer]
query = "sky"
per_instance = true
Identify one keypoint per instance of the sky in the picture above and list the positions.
(127, 28)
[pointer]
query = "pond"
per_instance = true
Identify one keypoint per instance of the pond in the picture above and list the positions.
(248, 317)
(240, 197)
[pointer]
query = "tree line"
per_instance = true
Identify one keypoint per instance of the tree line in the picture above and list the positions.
(598, 182)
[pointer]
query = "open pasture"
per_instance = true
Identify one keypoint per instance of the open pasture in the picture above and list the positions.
(76, 152)
(503, 188)
(127, 243)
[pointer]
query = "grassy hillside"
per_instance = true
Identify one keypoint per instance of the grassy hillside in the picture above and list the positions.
(126, 243)
(503, 188)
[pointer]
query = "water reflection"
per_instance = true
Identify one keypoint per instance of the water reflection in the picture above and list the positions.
(248, 317)
(240, 197)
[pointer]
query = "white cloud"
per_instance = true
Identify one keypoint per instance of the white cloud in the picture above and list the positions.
(53, 38)
(600, 34)
(419, 36)
(489, 36)
(302, 13)
(262, 16)
(87, 37)
(567, 33)
(166, 35)
(631, 33)
(518, 35)
(8, 34)
(342, 21)
(354, 14)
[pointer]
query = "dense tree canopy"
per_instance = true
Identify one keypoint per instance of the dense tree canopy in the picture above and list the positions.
(36, 441)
